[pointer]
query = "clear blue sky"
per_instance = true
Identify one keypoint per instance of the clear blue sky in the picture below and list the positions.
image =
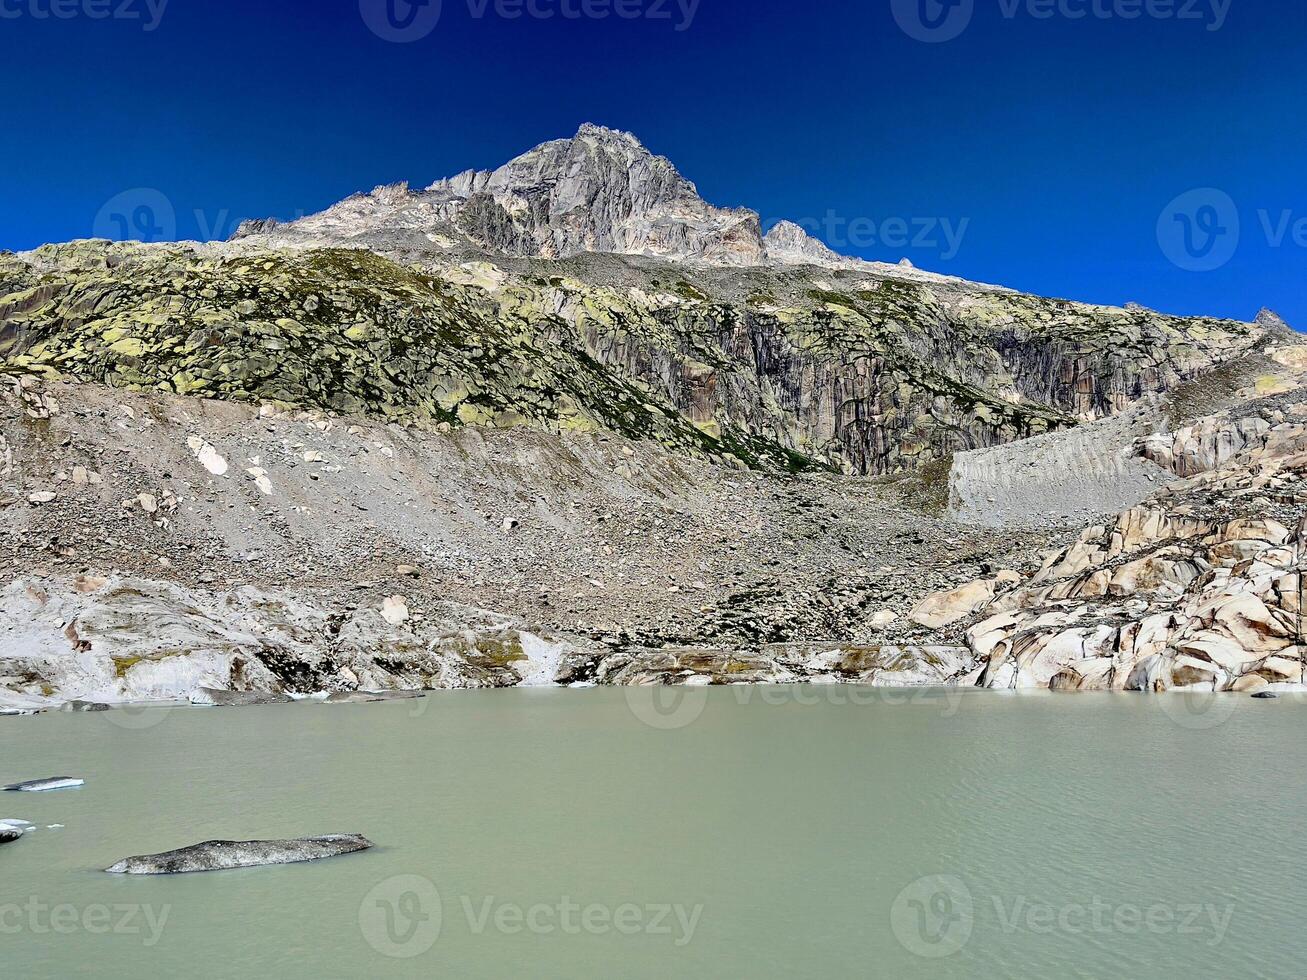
(1059, 141)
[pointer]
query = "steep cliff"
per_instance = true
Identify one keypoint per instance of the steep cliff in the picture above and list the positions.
(773, 367)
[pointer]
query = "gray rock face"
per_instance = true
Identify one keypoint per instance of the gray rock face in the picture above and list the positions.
(788, 244)
(600, 191)
(221, 855)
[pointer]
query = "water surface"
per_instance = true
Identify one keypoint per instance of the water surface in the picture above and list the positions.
(739, 833)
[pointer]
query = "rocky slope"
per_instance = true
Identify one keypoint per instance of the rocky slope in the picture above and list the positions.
(785, 369)
(1198, 586)
(158, 544)
(565, 422)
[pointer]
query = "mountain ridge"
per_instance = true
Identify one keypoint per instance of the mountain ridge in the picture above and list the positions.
(586, 284)
(600, 191)
(679, 466)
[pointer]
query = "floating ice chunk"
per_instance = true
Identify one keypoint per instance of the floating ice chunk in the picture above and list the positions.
(45, 785)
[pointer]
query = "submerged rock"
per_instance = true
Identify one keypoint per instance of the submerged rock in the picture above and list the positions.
(45, 785)
(364, 697)
(84, 706)
(226, 699)
(221, 855)
(1265, 696)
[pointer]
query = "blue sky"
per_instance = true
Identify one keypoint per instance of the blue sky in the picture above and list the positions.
(1050, 145)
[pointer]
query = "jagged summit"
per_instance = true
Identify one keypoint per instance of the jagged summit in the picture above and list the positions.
(789, 244)
(601, 190)
(1269, 319)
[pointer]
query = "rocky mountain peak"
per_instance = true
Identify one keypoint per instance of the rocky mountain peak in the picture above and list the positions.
(601, 190)
(788, 243)
(1270, 320)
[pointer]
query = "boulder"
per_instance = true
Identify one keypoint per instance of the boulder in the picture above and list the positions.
(943, 609)
(221, 855)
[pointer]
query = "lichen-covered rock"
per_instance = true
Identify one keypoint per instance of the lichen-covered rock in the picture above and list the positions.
(867, 375)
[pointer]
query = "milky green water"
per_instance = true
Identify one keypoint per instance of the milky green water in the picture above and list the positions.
(749, 833)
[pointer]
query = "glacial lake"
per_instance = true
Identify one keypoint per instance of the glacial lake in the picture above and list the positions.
(731, 832)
